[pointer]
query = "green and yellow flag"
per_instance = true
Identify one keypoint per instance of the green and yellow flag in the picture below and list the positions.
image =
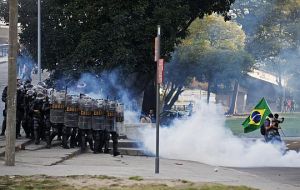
(257, 117)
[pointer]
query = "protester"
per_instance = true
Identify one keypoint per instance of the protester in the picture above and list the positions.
(152, 116)
(145, 119)
(266, 125)
(276, 127)
(272, 127)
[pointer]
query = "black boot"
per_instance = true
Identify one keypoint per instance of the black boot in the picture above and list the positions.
(117, 153)
(114, 137)
(64, 143)
(65, 137)
(83, 142)
(73, 139)
(97, 142)
(3, 127)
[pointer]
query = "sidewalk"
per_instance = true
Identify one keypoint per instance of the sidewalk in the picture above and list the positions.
(126, 166)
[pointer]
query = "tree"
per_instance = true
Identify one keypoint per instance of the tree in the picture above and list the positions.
(178, 74)
(214, 50)
(250, 14)
(277, 39)
(213, 53)
(96, 35)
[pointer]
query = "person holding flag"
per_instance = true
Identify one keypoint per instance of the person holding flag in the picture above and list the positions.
(261, 118)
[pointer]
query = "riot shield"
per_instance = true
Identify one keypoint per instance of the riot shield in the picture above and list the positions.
(99, 112)
(71, 116)
(110, 123)
(57, 107)
(85, 113)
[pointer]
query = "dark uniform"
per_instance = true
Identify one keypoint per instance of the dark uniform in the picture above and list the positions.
(71, 117)
(46, 117)
(4, 98)
(111, 126)
(38, 118)
(27, 122)
(20, 110)
(85, 122)
(98, 124)
(57, 110)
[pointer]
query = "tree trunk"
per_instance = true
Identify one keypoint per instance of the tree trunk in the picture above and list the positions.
(232, 109)
(282, 92)
(208, 92)
(174, 94)
(149, 99)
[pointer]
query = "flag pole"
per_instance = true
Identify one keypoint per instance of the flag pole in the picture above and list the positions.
(282, 132)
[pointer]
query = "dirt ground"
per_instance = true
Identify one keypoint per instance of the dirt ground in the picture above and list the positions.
(104, 183)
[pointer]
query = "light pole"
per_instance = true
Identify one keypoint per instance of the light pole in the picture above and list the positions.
(157, 57)
(39, 41)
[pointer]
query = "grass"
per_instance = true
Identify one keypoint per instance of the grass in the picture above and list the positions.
(60, 183)
(36, 183)
(136, 178)
(291, 125)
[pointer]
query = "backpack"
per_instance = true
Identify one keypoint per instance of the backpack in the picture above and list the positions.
(262, 129)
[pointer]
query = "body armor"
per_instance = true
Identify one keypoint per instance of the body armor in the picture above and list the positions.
(57, 107)
(28, 117)
(85, 113)
(38, 115)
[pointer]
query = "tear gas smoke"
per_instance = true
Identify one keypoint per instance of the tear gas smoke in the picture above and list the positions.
(25, 65)
(204, 138)
(102, 86)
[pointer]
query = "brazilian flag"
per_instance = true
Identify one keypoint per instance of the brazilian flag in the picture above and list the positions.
(257, 117)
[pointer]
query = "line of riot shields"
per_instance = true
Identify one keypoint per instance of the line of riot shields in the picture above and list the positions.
(79, 119)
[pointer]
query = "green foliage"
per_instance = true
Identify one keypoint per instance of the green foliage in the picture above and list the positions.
(277, 32)
(213, 52)
(95, 35)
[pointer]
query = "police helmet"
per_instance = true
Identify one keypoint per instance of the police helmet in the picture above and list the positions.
(28, 85)
(40, 95)
(30, 92)
(42, 84)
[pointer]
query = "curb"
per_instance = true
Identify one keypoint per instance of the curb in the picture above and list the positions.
(73, 154)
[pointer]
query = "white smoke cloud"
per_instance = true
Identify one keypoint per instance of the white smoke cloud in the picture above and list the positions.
(102, 86)
(204, 138)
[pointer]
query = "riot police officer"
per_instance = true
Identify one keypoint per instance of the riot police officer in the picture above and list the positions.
(38, 118)
(27, 122)
(70, 121)
(57, 111)
(112, 127)
(85, 121)
(98, 125)
(20, 109)
(4, 98)
(28, 96)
